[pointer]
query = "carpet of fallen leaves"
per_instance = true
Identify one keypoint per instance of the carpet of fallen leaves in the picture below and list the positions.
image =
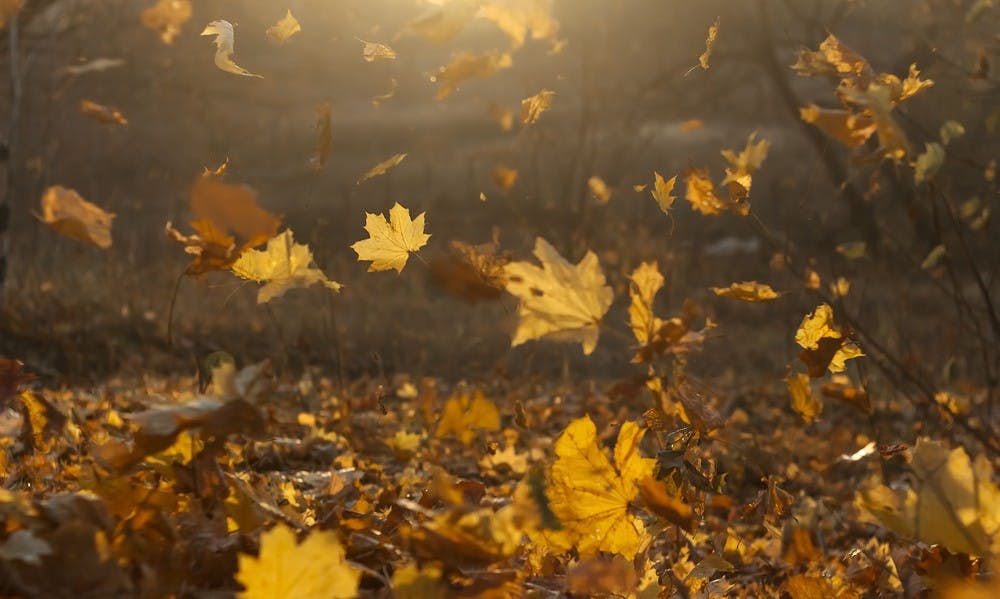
(417, 488)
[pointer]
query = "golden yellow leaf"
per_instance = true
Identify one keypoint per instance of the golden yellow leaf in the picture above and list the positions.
(284, 29)
(747, 291)
(952, 501)
(224, 47)
(823, 345)
(599, 189)
(518, 17)
(441, 24)
(391, 241)
(413, 582)
(929, 162)
(533, 107)
(850, 129)
(591, 497)
(701, 192)
(282, 266)
(464, 413)
(691, 125)
(382, 167)
(934, 257)
(466, 65)
(834, 59)
(853, 250)
(504, 177)
(816, 326)
(640, 187)
(741, 168)
(166, 18)
(559, 300)
(72, 216)
(102, 114)
(803, 400)
(713, 33)
(313, 569)
(662, 191)
(373, 51)
(841, 287)
(646, 281)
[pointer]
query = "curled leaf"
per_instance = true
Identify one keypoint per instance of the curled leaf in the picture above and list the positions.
(224, 47)
(72, 216)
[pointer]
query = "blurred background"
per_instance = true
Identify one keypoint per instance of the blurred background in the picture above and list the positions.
(626, 85)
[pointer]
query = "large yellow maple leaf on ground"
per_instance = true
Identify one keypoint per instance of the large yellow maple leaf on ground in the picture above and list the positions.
(392, 240)
(314, 569)
(591, 497)
(559, 300)
(952, 501)
(282, 266)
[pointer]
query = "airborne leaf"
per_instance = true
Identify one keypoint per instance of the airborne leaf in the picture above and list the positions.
(517, 18)
(803, 401)
(599, 189)
(701, 192)
(102, 114)
(646, 281)
(72, 216)
(324, 136)
(373, 51)
(284, 29)
(166, 18)
(391, 241)
(468, 66)
(282, 266)
(533, 107)
(464, 413)
(382, 167)
(747, 291)
(224, 47)
(559, 300)
(713, 33)
(662, 191)
(823, 345)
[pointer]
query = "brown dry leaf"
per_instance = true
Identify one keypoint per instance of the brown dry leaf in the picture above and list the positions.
(503, 116)
(324, 136)
(602, 577)
(282, 266)
(517, 18)
(504, 177)
(472, 272)
(102, 114)
(72, 216)
(467, 65)
(660, 502)
(225, 47)
(804, 402)
(662, 191)
(599, 189)
(560, 301)
(316, 568)
(166, 18)
(591, 497)
(701, 192)
(835, 60)
(952, 501)
(533, 107)
(747, 291)
(381, 98)
(691, 125)
(382, 167)
(373, 51)
(391, 241)
(713, 33)
(284, 29)
(466, 413)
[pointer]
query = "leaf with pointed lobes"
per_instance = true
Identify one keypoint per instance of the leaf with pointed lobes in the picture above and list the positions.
(225, 47)
(559, 301)
(282, 266)
(284, 29)
(823, 345)
(533, 106)
(72, 216)
(466, 65)
(391, 241)
(663, 191)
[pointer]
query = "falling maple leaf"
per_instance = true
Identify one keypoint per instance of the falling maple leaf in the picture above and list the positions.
(504, 177)
(747, 291)
(591, 497)
(713, 33)
(282, 266)
(559, 300)
(662, 191)
(324, 136)
(464, 413)
(517, 18)
(372, 51)
(533, 107)
(472, 272)
(466, 65)
(646, 282)
(599, 189)
(701, 192)
(391, 241)
(804, 402)
(823, 345)
(166, 18)
(691, 125)
(224, 47)
(72, 216)
(102, 114)
(742, 166)
(382, 167)
(285, 28)
(313, 569)
(952, 501)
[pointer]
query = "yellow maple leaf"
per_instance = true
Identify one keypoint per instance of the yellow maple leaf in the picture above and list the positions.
(517, 17)
(464, 413)
(952, 501)
(314, 569)
(701, 192)
(747, 291)
(662, 191)
(850, 129)
(741, 167)
(413, 582)
(382, 167)
(559, 300)
(72, 216)
(504, 177)
(823, 345)
(282, 266)
(646, 282)
(281, 31)
(466, 65)
(533, 106)
(803, 400)
(591, 497)
(391, 241)
(225, 47)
